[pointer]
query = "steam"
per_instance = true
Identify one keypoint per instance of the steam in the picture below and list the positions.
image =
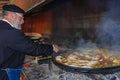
(108, 30)
(83, 44)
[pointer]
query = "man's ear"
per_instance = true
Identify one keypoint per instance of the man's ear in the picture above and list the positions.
(13, 15)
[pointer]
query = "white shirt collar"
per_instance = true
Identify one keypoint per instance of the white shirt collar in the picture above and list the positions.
(7, 22)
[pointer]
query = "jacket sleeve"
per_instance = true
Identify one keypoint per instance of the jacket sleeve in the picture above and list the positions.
(16, 40)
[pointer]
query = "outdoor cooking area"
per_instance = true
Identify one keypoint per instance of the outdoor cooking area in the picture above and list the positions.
(88, 39)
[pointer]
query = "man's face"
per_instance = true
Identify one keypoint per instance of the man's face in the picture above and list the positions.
(18, 20)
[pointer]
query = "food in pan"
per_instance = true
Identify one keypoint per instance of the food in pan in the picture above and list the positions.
(74, 60)
(98, 59)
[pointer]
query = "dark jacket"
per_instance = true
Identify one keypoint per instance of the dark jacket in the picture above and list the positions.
(14, 45)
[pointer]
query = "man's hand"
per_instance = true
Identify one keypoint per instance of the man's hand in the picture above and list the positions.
(55, 48)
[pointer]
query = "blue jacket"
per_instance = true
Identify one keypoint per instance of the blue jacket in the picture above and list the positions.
(14, 45)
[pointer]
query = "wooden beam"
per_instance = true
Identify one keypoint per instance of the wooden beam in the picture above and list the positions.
(11, 1)
(22, 3)
(4, 1)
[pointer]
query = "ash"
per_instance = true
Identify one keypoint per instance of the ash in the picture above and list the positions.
(88, 76)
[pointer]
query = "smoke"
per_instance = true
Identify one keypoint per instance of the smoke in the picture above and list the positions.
(86, 44)
(108, 29)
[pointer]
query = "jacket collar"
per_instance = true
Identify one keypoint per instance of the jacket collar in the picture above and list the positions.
(7, 22)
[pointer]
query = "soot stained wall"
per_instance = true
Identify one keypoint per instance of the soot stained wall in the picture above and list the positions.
(76, 19)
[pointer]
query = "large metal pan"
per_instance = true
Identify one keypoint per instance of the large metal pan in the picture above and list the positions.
(106, 70)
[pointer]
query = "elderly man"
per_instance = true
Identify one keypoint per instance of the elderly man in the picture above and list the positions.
(14, 45)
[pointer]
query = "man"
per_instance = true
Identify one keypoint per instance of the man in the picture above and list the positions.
(14, 45)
